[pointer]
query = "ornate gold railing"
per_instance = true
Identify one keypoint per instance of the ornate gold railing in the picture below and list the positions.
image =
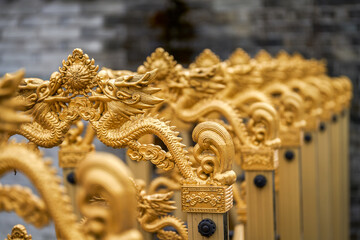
(282, 120)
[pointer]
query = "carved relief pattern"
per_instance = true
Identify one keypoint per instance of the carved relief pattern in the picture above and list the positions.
(150, 152)
(202, 197)
(206, 199)
(261, 151)
(19, 233)
(78, 73)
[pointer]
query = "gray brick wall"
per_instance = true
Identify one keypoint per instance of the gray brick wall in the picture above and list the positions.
(38, 34)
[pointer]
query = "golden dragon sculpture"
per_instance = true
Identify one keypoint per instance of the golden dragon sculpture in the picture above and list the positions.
(197, 87)
(98, 174)
(114, 107)
(153, 210)
(54, 204)
(105, 177)
(245, 78)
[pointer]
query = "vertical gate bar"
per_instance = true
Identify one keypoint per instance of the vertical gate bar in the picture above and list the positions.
(325, 186)
(336, 177)
(260, 207)
(290, 218)
(309, 180)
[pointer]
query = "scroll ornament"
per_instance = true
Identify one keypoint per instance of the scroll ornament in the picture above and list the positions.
(292, 123)
(213, 154)
(261, 151)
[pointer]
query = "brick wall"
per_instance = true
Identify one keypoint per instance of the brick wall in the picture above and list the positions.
(38, 34)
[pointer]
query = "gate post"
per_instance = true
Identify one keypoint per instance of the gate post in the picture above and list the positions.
(291, 135)
(259, 160)
(208, 198)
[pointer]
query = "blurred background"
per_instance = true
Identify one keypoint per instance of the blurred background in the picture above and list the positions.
(38, 34)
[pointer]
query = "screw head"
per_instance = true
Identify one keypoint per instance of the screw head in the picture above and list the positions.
(207, 227)
(334, 118)
(289, 155)
(71, 178)
(260, 181)
(307, 137)
(240, 178)
(322, 127)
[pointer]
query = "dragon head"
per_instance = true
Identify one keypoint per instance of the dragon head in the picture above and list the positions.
(205, 80)
(132, 94)
(168, 76)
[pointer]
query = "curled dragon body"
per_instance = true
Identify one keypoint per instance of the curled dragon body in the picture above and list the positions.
(48, 185)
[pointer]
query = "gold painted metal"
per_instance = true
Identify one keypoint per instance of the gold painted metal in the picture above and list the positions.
(291, 135)
(327, 222)
(332, 107)
(19, 233)
(309, 160)
(337, 161)
(211, 197)
(194, 91)
(153, 209)
(336, 170)
(74, 148)
(259, 157)
(104, 175)
(114, 107)
(72, 151)
(325, 186)
(23, 157)
(347, 92)
(119, 105)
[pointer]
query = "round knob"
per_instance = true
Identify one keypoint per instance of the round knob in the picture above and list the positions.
(207, 227)
(334, 118)
(260, 181)
(307, 137)
(71, 178)
(322, 127)
(289, 155)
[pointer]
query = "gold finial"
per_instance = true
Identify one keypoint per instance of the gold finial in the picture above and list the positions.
(78, 73)
(263, 56)
(206, 58)
(238, 57)
(260, 151)
(283, 56)
(163, 62)
(312, 100)
(19, 233)
(291, 119)
(74, 147)
(213, 154)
